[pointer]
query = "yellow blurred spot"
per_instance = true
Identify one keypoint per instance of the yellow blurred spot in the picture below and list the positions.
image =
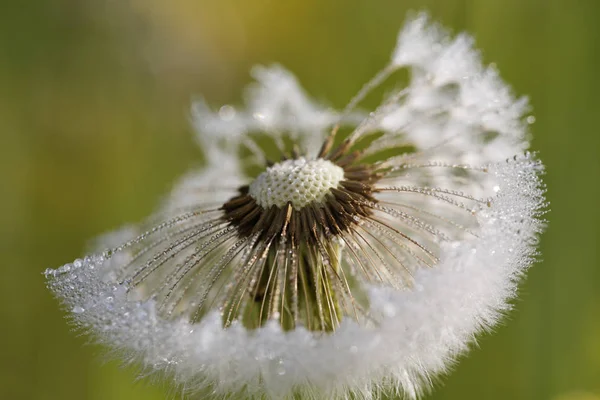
(577, 396)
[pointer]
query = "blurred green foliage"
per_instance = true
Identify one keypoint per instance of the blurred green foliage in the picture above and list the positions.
(94, 99)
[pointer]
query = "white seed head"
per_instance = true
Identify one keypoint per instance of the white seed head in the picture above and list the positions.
(299, 182)
(375, 279)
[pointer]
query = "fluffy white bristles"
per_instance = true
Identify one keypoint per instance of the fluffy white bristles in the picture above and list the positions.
(420, 331)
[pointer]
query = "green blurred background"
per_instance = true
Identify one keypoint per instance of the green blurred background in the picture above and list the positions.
(94, 100)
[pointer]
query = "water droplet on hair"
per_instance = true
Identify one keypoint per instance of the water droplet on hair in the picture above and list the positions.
(65, 268)
(280, 368)
(227, 113)
(389, 310)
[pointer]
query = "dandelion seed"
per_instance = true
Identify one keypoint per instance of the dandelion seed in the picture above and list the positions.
(350, 264)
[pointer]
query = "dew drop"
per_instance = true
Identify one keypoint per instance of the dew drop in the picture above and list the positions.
(227, 113)
(389, 310)
(111, 276)
(280, 368)
(78, 309)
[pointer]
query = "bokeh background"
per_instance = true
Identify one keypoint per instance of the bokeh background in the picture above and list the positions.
(94, 128)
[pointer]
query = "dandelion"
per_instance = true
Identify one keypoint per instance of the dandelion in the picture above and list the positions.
(327, 254)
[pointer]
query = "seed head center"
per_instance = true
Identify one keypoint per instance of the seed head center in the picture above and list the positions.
(299, 181)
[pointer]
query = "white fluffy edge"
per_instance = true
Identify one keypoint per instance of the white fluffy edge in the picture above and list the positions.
(421, 330)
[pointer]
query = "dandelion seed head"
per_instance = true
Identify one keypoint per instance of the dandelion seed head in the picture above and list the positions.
(328, 274)
(299, 182)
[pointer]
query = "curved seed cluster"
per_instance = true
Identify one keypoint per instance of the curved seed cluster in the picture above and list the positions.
(298, 181)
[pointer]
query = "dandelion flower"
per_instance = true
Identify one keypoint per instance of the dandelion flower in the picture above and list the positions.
(360, 256)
